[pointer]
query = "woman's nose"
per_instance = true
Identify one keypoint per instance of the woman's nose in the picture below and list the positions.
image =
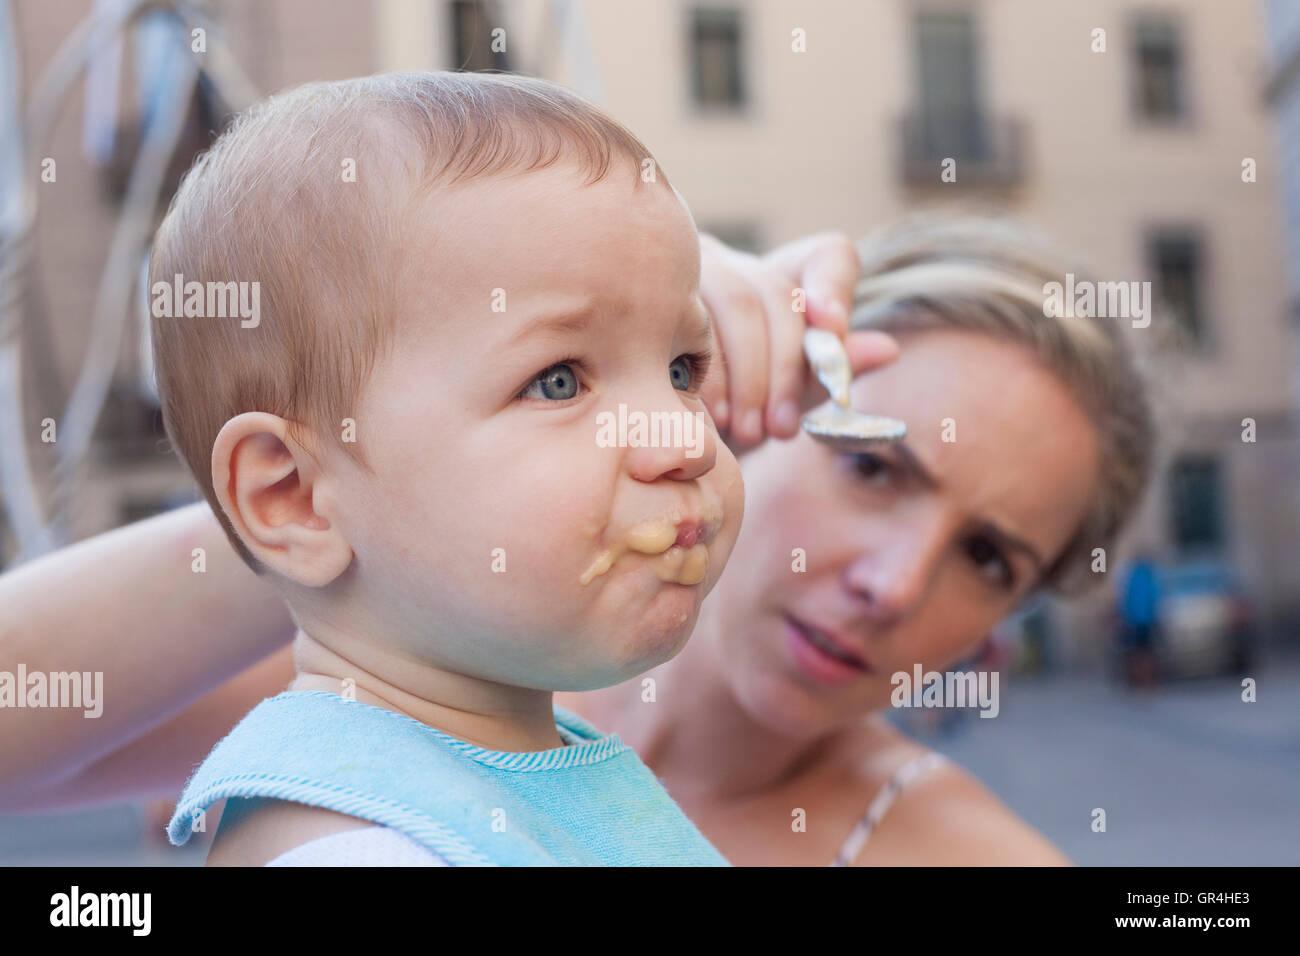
(892, 577)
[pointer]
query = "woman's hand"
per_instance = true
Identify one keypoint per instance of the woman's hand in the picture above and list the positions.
(763, 385)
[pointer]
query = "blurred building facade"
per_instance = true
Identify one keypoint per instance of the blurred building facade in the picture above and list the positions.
(1283, 94)
(777, 119)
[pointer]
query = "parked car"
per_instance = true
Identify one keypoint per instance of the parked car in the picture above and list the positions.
(1205, 620)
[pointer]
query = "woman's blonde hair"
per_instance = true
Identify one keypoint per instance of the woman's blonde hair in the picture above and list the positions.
(988, 275)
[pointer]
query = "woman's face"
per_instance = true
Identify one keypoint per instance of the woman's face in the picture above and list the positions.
(909, 553)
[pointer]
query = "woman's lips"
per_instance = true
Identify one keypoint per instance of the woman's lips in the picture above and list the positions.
(822, 655)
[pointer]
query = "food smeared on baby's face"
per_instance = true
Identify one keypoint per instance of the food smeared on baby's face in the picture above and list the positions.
(679, 546)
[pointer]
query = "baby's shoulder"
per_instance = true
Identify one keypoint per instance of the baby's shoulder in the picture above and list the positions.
(275, 827)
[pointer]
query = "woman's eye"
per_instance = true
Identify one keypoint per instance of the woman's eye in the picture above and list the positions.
(990, 561)
(871, 467)
(680, 373)
(557, 383)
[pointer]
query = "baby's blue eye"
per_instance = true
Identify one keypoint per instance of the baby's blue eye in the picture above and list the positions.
(680, 373)
(556, 383)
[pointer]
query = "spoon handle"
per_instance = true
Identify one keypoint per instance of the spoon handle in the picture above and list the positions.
(830, 362)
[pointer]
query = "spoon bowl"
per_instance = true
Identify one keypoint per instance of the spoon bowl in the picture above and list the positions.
(847, 430)
(835, 423)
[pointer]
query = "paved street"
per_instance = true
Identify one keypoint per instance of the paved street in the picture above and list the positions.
(1187, 774)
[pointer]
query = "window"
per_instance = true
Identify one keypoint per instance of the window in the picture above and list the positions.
(1196, 502)
(1158, 88)
(717, 67)
(951, 122)
(472, 23)
(1176, 260)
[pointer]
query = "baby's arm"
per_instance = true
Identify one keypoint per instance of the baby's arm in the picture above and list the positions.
(127, 604)
(274, 828)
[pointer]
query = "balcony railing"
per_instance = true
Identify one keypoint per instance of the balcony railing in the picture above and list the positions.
(988, 150)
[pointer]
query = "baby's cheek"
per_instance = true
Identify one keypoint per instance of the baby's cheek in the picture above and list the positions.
(541, 548)
(729, 487)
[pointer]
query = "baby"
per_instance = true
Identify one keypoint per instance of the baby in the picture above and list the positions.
(460, 279)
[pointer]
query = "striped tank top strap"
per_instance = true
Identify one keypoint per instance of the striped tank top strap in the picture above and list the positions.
(900, 778)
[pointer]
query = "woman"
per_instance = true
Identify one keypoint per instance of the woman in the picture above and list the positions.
(913, 552)
(1029, 444)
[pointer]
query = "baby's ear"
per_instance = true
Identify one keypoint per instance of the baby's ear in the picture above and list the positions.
(269, 487)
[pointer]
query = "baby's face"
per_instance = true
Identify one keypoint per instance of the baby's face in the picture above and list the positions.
(511, 531)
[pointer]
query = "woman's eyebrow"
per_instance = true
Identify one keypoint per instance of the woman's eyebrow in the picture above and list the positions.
(1013, 543)
(912, 463)
(909, 460)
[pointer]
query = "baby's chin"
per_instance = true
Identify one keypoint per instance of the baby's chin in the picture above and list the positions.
(627, 648)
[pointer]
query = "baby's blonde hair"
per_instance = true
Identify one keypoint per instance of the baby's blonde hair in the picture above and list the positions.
(272, 202)
(987, 275)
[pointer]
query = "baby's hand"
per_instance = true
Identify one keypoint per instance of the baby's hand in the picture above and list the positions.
(763, 384)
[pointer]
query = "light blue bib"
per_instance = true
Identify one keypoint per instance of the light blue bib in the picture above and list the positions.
(590, 803)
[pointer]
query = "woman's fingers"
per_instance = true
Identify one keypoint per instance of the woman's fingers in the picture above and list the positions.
(714, 390)
(826, 266)
(762, 384)
(739, 317)
(783, 378)
(867, 349)
(787, 368)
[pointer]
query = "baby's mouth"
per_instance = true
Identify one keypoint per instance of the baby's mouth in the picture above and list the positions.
(679, 548)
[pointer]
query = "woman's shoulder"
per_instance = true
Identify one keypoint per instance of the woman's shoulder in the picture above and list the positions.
(943, 816)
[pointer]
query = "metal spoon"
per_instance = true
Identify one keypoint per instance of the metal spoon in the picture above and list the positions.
(836, 424)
